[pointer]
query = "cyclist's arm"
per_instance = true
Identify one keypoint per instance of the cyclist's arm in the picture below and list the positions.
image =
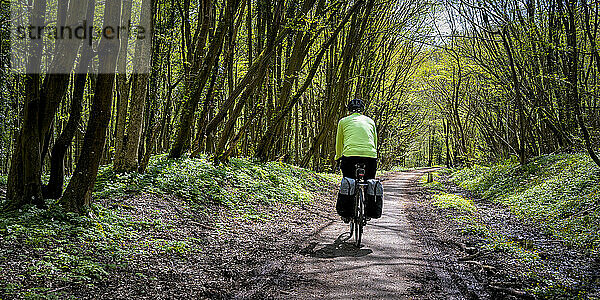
(339, 141)
(375, 135)
(374, 132)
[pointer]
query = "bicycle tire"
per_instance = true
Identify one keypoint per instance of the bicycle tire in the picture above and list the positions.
(358, 218)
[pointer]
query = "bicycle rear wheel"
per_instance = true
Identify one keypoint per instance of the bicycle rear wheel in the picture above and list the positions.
(358, 219)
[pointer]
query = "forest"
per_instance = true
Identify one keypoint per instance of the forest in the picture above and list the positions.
(454, 84)
(449, 83)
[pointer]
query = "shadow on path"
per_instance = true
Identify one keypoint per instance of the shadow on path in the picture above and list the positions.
(339, 248)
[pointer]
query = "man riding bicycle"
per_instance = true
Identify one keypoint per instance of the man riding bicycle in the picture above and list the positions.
(356, 142)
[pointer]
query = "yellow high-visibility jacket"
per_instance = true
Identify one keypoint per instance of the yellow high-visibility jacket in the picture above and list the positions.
(356, 136)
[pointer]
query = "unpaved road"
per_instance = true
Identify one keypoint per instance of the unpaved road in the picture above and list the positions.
(385, 267)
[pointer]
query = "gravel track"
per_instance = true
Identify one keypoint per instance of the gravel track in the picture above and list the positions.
(388, 264)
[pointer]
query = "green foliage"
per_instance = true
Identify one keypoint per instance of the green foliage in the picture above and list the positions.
(470, 225)
(81, 250)
(550, 289)
(557, 193)
(76, 250)
(471, 222)
(501, 243)
(560, 193)
(445, 200)
(241, 182)
(67, 247)
(445, 171)
(435, 184)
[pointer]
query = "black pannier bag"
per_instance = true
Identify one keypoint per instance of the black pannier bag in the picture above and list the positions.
(345, 200)
(374, 201)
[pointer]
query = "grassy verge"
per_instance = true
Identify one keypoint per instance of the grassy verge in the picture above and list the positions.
(44, 251)
(471, 222)
(559, 193)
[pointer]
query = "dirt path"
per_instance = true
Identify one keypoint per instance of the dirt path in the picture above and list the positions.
(385, 267)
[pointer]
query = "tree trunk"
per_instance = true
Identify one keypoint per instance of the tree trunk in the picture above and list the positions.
(255, 69)
(250, 89)
(131, 144)
(54, 188)
(518, 99)
(573, 76)
(186, 120)
(24, 183)
(123, 89)
(300, 50)
(268, 138)
(78, 194)
(446, 135)
(341, 92)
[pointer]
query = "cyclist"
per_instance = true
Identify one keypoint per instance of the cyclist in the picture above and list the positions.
(356, 142)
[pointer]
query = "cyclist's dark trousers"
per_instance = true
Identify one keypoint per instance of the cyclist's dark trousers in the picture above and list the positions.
(348, 166)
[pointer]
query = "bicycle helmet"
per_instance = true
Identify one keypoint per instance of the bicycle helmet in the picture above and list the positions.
(356, 105)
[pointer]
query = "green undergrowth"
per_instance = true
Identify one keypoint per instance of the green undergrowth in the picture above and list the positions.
(51, 246)
(468, 215)
(471, 220)
(559, 193)
(41, 250)
(446, 200)
(435, 184)
(239, 183)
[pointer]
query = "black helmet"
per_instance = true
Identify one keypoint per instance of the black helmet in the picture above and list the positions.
(356, 105)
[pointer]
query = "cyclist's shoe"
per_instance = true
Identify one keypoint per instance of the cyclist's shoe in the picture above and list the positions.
(346, 220)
